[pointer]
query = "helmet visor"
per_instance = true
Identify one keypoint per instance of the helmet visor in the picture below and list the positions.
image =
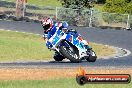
(46, 27)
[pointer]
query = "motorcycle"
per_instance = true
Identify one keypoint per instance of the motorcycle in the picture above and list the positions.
(68, 44)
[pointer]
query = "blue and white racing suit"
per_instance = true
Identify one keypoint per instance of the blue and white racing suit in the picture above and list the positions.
(48, 34)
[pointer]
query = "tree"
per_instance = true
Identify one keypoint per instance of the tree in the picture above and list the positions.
(76, 4)
(118, 6)
(129, 8)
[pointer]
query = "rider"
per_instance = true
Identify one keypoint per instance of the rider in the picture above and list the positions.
(50, 29)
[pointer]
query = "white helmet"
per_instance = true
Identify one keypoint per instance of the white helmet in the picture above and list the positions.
(47, 23)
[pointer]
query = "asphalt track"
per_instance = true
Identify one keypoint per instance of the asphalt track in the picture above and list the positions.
(117, 38)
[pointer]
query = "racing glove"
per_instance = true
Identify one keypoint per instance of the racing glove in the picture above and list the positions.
(48, 45)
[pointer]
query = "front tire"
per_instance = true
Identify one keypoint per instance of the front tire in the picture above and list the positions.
(72, 55)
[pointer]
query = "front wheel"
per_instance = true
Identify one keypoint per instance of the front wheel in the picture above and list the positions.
(92, 56)
(70, 53)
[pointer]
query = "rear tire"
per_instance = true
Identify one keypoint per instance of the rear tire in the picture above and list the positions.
(73, 57)
(58, 57)
(91, 58)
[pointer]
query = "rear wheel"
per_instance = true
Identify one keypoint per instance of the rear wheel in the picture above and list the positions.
(58, 57)
(70, 53)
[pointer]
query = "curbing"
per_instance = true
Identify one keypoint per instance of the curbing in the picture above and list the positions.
(120, 52)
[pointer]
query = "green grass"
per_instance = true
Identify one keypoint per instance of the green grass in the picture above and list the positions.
(16, 46)
(19, 46)
(58, 83)
(98, 7)
(41, 2)
(46, 12)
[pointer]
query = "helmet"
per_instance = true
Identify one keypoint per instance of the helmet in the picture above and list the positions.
(47, 23)
(65, 25)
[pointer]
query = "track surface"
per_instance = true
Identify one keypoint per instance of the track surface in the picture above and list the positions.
(118, 38)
